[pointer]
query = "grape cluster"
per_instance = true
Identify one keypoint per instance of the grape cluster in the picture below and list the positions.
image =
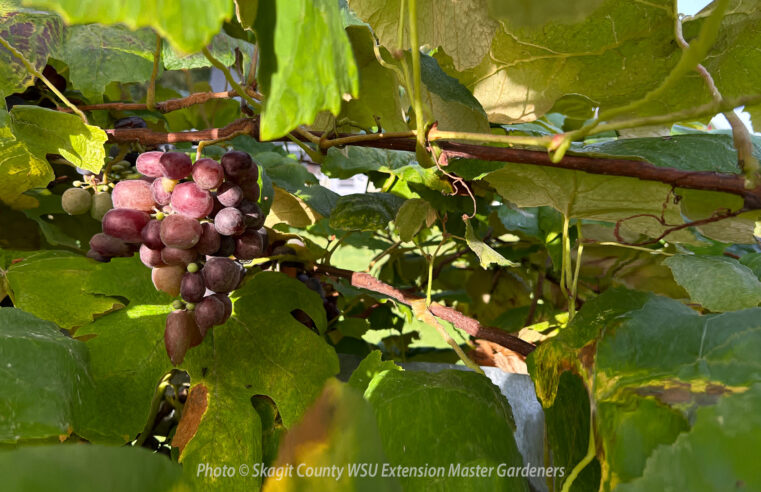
(193, 234)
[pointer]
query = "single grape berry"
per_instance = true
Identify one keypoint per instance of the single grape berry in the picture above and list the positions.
(151, 234)
(125, 224)
(178, 231)
(150, 257)
(192, 287)
(249, 245)
(250, 188)
(180, 334)
(188, 199)
(134, 194)
(220, 274)
(193, 268)
(177, 256)
(108, 246)
(161, 190)
(177, 304)
(209, 312)
(209, 242)
(229, 194)
(101, 203)
(226, 246)
(91, 253)
(208, 174)
(254, 216)
(228, 306)
(76, 201)
(175, 165)
(236, 163)
(230, 222)
(168, 278)
(147, 164)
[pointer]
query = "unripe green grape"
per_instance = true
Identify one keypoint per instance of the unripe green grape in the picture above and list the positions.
(101, 203)
(178, 304)
(190, 306)
(193, 267)
(76, 201)
(76, 183)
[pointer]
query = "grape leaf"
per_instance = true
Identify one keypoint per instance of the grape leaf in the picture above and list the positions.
(36, 35)
(89, 468)
(717, 283)
(20, 169)
(463, 29)
(299, 82)
(411, 217)
(415, 412)
(44, 378)
(486, 255)
(371, 366)
(262, 350)
(188, 24)
(98, 55)
(519, 13)
(290, 209)
(222, 47)
(365, 211)
(345, 163)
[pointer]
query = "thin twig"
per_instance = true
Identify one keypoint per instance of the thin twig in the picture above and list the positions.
(150, 98)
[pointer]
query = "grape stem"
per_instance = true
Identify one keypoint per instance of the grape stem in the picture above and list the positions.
(30, 68)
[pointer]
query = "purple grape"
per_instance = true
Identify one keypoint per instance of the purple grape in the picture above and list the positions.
(230, 222)
(208, 174)
(177, 256)
(228, 306)
(108, 246)
(249, 245)
(178, 231)
(209, 242)
(254, 216)
(209, 312)
(161, 190)
(125, 224)
(188, 199)
(229, 194)
(226, 246)
(135, 194)
(236, 163)
(250, 188)
(147, 164)
(220, 274)
(150, 257)
(97, 256)
(151, 234)
(192, 288)
(180, 334)
(175, 165)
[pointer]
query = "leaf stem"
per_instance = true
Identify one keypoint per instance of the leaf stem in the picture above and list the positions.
(158, 397)
(30, 68)
(436, 134)
(229, 77)
(150, 98)
(417, 96)
(204, 143)
(591, 453)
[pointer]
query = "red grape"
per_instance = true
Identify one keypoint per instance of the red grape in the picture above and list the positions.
(180, 334)
(250, 188)
(229, 194)
(134, 194)
(230, 222)
(192, 287)
(175, 165)
(226, 246)
(168, 278)
(236, 163)
(151, 234)
(209, 242)
(228, 305)
(220, 274)
(254, 216)
(249, 245)
(177, 256)
(150, 257)
(188, 199)
(208, 174)
(209, 312)
(147, 164)
(108, 246)
(161, 190)
(178, 231)
(125, 224)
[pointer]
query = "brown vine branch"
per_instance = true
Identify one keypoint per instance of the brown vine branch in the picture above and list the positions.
(162, 107)
(465, 323)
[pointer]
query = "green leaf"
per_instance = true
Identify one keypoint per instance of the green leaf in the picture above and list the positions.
(36, 35)
(345, 163)
(245, 11)
(463, 29)
(411, 217)
(714, 454)
(717, 283)
(188, 24)
(519, 13)
(262, 350)
(51, 286)
(320, 199)
(338, 431)
(365, 211)
(415, 412)
(98, 55)
(47, 131)
(752, 261)
(306, 63)
(20, 169)
(44, 378)
(222, 47)
(87, 468)
(289, 209)
(371, 366)
(285, 172)
(486, 255)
